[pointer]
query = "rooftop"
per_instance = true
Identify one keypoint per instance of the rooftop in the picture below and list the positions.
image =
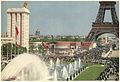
(25, 10)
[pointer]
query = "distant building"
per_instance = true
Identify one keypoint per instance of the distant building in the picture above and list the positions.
(65, 47)
(69, 48)
(88, 45)
(18, 17)
(65, 44)
(37, 33)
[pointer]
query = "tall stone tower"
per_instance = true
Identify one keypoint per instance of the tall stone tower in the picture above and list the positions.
(100, 26)
(18, 17)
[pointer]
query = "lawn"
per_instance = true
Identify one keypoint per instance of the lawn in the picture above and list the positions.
(91, 73)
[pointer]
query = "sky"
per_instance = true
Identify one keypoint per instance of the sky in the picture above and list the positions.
(57, 18)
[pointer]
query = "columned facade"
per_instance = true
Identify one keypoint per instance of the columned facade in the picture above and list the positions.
(18, 17)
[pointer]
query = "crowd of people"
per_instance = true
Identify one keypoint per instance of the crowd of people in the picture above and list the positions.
(112, 71)
(92, 55)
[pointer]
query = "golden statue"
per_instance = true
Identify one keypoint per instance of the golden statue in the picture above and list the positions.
(25, 4)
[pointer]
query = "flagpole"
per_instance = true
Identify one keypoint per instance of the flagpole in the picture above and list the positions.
(2, 50)
(15, 41)
(11, 51)
(16, 29)
(18, 50)
(7, 50)
(15, 46)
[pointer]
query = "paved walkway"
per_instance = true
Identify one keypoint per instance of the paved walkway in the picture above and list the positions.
(114, 53)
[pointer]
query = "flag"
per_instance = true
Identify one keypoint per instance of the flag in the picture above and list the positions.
(44, 45)
(16, 28)
(17, 32)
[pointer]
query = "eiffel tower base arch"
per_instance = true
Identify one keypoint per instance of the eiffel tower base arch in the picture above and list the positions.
(99, 26)
(96, 32)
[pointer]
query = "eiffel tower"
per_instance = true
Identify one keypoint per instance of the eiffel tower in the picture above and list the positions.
(99, 26)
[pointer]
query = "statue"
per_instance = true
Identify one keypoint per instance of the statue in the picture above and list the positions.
(25, 4)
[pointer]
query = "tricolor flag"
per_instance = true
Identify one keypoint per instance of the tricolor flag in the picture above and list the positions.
(16, 28)
(17, 32)
(44, 45)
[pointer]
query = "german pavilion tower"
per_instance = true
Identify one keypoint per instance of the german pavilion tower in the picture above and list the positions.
(18, 17)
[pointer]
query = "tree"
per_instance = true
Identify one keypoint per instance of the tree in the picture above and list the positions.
(31, 48)
(41, 50)
(21, 50)
(10, 48)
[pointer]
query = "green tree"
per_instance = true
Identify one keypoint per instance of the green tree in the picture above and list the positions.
(21, 50)
(10, 48)
(31, 48)
(41, 50)
(34, 39)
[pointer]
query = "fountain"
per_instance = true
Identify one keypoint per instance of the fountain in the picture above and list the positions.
(70, 69)
(75, 66)
(51, 64)
(58, 62)
(79, 63)
(27, 67)
(64, 73)
(55, 75)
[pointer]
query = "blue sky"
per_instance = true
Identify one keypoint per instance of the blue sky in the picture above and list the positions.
(57, 18)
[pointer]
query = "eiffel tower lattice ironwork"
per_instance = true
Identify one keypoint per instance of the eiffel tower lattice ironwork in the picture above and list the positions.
(99, 26)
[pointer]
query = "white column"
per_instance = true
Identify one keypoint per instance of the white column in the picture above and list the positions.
(23, 27)
(13, 26)
(18, 24)
(8, 24)
(27, 31)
